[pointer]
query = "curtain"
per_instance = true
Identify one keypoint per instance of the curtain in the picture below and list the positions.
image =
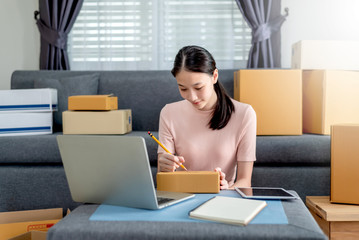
(265, 20)
(56, 20)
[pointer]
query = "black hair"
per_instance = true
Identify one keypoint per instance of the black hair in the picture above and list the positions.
(198, 59)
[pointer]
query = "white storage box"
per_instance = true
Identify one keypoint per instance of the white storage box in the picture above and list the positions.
(28, 100)
(317, 54)
(28, 123)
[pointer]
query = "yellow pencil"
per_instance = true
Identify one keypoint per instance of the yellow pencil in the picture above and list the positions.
(154, 138)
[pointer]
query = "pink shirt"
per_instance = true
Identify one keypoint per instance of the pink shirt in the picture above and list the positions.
(184, 131)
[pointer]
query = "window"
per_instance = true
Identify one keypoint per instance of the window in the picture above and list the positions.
(146, 35)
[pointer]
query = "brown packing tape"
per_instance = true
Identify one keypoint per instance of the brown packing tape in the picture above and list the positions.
(188, 181)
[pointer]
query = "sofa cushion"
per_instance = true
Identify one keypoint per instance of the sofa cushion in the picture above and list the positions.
(305, 150)
(69, 86)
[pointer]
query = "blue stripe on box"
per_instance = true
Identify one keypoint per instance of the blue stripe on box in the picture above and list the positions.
(25, 129)
(273, 213)
(27, 107)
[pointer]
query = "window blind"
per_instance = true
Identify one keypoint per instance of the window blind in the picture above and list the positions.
(143, 35)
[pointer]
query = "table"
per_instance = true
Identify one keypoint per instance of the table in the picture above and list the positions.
(301, 225)
(338, 221)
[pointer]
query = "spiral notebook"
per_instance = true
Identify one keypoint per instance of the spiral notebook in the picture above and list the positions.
(230, 210)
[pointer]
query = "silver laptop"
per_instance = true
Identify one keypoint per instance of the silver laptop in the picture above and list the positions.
(112, 170)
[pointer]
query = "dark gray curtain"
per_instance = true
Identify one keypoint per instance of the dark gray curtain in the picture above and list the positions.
(265, 20)
(56, 20)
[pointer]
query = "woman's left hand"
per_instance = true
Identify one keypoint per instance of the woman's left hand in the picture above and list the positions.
(222, 178)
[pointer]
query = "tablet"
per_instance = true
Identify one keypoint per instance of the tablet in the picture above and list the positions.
(264, 193)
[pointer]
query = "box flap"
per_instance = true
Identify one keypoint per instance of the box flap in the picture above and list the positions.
(31, 215)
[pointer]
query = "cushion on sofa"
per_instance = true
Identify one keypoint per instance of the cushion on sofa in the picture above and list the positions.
(69, 86)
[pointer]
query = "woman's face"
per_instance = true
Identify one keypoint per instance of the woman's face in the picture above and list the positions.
(198, 89)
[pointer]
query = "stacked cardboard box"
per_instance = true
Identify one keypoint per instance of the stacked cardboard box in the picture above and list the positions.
(96, 114)
(27, 111)
(330, 83)
(331, 106)
(276, 97)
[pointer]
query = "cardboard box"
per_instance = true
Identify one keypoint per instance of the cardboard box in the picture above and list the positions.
(28, 100)
(25, 123)
(92, 102)
(33, 235)
(97, 122)
(338, 221)
(344, 164)
(329, 97)
(276, 97)
(18, 222)
(318, 54)
(191, 181)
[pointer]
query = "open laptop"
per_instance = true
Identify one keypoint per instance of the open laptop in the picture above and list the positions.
(112, 170)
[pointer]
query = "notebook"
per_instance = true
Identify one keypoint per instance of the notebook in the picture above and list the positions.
(112, 170)
(230, 210)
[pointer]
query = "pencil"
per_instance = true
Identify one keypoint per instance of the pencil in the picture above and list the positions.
(164, 148)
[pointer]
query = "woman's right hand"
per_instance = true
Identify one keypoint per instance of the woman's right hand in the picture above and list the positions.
(168, 162)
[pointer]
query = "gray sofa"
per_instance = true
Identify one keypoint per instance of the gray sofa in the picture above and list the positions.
(31, 172)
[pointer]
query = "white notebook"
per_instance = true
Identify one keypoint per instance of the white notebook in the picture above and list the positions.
(228, 210)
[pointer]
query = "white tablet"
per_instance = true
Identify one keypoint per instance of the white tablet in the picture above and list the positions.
(264, 193)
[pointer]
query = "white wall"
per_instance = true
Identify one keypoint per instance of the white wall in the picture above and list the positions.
(19, 39)
(318, 20)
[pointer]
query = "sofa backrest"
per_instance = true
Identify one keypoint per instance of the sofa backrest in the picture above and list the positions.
(144, 92)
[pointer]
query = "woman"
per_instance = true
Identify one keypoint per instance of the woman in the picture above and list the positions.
(207, 130)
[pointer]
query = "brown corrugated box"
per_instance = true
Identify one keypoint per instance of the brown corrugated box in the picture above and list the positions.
(97, 122)
(276, 97)
(33, 235)
(188, 181)
(18, 222)
(344, 164)
(92, 102)
(329, 97)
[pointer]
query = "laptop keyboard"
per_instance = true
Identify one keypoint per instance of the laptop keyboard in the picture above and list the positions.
(161, 200)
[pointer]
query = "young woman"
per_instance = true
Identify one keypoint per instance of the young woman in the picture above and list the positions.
(207, 130)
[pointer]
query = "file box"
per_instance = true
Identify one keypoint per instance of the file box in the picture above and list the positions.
(28, 100)
(25, 123)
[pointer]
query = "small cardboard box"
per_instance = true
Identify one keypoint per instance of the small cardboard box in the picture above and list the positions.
(344, 164)
(319, 54)
(92, 102)
(338, 221)
(329, 97)
(97, 122)
(189, 181)
(25, 123)
(276, 97)
(28, 100)
(18, 222)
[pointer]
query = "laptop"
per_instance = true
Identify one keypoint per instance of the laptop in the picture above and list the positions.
(112, 170)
